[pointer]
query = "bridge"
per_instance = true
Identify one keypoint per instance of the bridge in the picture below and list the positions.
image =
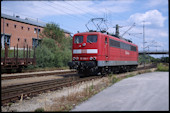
(153, 52)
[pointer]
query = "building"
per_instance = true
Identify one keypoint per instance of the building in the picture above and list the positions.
(15, 30)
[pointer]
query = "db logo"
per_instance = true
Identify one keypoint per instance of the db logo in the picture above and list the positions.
(83, 51)
(127, 53)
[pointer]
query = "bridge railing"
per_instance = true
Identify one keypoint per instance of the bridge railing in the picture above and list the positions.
(154, 52)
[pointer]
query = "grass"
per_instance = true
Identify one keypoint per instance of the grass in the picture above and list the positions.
(39, 110)
(20, 53)
(31, 68)
(67, 103)
(162, 67)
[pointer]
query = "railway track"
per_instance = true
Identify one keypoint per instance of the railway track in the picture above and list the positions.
(23, 75)
(22, 91)
(18, 92)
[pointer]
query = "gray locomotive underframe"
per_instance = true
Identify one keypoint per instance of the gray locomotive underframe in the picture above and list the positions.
(116, 63)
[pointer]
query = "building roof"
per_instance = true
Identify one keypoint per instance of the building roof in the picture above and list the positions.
(27, 21)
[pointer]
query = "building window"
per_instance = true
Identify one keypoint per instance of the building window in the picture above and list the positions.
(7, 24)
(6, 39)
(25, 40)
(18, 39)
(28, 28)
(38, 30)
(35, 42)
(35, 30)
(22, 27)
(15, 26)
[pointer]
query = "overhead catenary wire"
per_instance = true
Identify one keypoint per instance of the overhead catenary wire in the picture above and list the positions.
(63, 12)
(104, 12)
(76, 5)
(70, 10)
(90, 15)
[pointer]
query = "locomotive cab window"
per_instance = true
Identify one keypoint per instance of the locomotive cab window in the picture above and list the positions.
(78, 39)
(92, 38)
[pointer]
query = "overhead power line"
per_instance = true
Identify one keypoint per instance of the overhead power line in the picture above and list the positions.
(68, 10)
(128, 29)
(90, 15)
(65, 13)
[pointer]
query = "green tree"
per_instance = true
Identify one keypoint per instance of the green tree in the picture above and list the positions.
(55, 49)
(53, 31)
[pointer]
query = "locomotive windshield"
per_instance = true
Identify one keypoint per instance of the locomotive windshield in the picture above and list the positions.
(78, 39)
(91, 38)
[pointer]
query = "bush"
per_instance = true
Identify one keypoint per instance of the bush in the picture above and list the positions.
(39, 110)
(161, 67)
(20, 53)
(48, 54)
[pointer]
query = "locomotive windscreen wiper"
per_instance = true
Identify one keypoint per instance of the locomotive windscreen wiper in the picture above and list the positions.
(89, 41)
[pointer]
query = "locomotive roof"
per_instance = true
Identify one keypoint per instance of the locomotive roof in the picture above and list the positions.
(116, 38)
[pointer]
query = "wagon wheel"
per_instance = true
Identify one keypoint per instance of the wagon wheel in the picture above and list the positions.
(19, 69)
(9, 70)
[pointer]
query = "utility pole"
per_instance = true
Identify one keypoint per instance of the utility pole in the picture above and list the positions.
(37, 33)
(37, 29)
(3, 36)
(144, 41)
(117, 30)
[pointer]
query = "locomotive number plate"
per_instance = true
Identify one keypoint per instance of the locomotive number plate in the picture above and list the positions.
(84, 51)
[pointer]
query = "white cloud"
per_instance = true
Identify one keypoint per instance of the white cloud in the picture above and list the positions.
(151, 17)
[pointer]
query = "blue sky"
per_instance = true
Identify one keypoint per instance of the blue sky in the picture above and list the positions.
(72, 16)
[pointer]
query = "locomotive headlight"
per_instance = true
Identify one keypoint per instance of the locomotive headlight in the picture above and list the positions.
(74, 58)
(91, 58)
(77, 58)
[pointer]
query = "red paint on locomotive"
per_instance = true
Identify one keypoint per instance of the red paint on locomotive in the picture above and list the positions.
(102, 51)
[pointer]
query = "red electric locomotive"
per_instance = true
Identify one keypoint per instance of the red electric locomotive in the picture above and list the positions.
(99, 53)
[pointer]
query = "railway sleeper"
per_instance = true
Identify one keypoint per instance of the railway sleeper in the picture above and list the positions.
(36, 91)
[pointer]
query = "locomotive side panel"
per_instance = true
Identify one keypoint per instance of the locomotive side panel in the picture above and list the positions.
(119, 53)
(103, 48)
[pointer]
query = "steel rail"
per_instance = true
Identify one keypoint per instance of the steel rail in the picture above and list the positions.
(36, 75)
(16, 92)
(13, 93)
